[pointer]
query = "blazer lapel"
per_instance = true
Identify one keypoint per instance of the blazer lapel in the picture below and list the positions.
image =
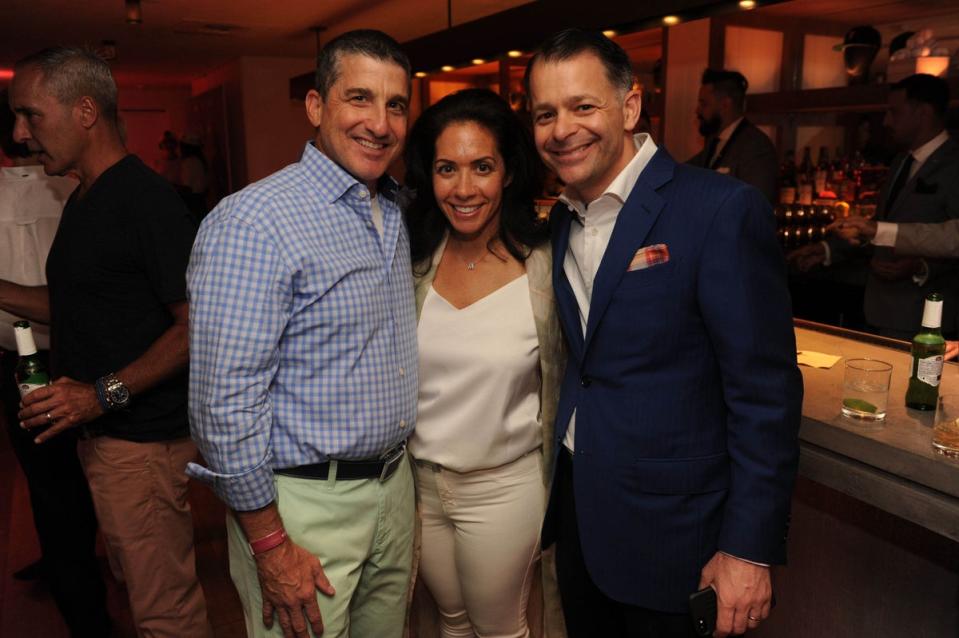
(561, 218)
(633, 224)
(930, 166)
(934, 163)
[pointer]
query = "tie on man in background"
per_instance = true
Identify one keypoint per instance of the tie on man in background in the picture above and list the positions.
(734, 145)
(923, 189)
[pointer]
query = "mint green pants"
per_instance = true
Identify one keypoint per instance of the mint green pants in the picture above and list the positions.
(362, 532)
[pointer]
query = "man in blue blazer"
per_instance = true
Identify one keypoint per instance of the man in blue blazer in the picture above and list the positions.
(677, 424)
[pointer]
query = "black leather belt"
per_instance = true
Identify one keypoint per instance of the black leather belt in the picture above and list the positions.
(381, 469)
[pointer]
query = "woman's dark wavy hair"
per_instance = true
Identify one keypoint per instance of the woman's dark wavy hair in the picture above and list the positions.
(519, 228)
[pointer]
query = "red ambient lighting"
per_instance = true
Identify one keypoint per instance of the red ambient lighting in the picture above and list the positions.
(6, 74)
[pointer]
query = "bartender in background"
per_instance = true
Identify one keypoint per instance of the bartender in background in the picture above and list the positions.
(733, 145)
(918, 240)
(923, 188)
(30, 207)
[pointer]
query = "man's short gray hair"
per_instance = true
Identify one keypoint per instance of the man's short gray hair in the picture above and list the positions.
(368, 42)
(72, 73)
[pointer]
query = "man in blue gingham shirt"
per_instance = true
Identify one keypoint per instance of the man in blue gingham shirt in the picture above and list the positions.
(303, 361)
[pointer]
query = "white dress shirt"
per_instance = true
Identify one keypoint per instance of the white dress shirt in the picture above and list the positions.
(30, 208)
(589, 237)
(724, 136)
(886, 232)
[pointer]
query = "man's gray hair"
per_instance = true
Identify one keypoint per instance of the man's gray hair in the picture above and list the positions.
(368, 42)
(72, 73)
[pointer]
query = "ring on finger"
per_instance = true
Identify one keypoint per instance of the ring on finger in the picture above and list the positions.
(49, 417)
(753, 618)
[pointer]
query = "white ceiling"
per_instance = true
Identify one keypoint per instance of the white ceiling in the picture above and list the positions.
(174, 44)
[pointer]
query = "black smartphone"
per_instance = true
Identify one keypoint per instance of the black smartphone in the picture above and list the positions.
(702, 608)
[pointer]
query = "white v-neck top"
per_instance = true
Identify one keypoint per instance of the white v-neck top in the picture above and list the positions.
(479, 380)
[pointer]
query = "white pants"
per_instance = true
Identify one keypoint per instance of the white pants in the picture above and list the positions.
(481, 535)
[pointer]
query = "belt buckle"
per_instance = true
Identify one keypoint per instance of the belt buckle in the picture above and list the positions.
(392, 460)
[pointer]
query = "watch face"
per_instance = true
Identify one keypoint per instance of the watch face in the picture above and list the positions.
(119, 395)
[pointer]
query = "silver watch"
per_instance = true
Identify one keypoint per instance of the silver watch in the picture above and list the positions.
(116, 394)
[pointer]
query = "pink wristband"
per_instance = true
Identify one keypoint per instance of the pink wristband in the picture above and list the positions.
(268, 542)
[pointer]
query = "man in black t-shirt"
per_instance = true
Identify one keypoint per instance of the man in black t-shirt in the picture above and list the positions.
(116, 305)
(30, 208)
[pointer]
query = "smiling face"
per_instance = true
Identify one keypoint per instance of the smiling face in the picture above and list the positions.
(582, 122)
(362, 121)
(48, 127)
(469, 176)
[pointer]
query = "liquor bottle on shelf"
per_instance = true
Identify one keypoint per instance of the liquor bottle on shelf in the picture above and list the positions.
(928, 348)
(30, 372)
(806, 177)
(822, 172)
(788, 187)
(837, 175)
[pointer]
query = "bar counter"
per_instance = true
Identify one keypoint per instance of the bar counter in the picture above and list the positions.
(890, 465)
(874, 539)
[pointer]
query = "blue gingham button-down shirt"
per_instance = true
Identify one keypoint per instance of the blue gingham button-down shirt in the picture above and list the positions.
(302, 329)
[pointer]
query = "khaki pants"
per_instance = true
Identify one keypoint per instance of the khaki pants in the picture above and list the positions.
(362, 532)
(140, 495)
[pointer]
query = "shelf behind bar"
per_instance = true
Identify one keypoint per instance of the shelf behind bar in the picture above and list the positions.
(857, 98)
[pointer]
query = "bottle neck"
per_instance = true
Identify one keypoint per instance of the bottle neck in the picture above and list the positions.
(931, 317)
(26, 346)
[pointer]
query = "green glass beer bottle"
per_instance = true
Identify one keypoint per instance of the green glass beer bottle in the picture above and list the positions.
(30, 372)
(928, 348)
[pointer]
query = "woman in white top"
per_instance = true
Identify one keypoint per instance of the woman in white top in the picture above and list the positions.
(490, 358)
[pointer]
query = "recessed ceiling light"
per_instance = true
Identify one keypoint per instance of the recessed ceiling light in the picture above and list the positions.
(514, 53)
(671, 20)
(479, 61)
(747, 4)
(134, 13)
(447, 68)
(420, 74)
(609, 33)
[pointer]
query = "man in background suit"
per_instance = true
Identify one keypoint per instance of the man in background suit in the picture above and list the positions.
(920, 240)
(676, 432)
(732, 144)
(923, 187)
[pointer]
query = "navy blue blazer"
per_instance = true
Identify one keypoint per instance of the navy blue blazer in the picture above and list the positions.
(686, 389)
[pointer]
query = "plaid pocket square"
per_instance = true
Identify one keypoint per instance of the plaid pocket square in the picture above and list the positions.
(649, 256)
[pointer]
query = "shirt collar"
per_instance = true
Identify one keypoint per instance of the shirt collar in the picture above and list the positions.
(921, 154)
(620, 188)
(333, 181)
(727, 132)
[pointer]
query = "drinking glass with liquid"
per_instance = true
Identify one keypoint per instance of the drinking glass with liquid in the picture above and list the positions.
(945, 432)
(865, 389)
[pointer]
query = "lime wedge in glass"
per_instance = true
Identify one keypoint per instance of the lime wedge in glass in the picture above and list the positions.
(860, 405)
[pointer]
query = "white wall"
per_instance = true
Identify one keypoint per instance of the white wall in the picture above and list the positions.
(686, 56)
(275, 127)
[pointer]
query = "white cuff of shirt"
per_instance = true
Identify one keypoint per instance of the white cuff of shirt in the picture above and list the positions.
(745, 560)
(886, 234)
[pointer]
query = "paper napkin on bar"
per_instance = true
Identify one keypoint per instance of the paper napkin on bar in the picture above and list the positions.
(816, 359)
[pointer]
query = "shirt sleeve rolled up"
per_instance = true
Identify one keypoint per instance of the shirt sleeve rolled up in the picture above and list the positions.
(240, 298)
